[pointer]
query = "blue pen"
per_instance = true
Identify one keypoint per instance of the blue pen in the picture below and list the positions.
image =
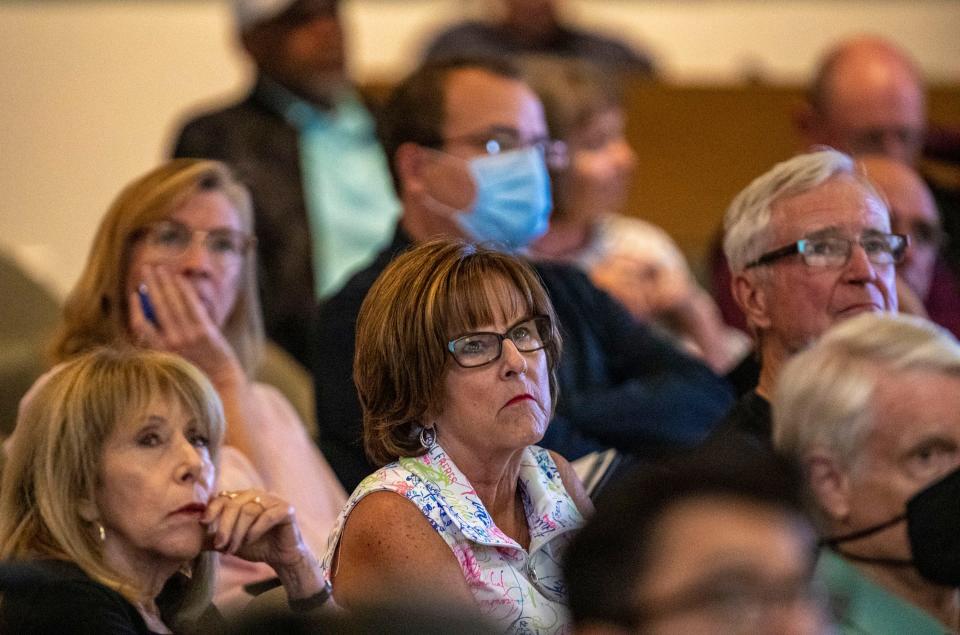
(147, 306)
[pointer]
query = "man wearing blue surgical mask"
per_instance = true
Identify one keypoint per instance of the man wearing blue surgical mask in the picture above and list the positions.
(872, 412)
(469, 149)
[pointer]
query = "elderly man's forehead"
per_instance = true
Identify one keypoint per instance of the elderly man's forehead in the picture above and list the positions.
(840, 201)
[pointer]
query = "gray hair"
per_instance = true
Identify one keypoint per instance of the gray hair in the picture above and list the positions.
(747, 220)
(824, 394)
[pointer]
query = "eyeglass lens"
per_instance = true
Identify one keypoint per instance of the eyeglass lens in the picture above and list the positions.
(477, 349)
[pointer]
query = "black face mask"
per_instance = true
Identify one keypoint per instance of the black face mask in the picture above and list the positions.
(933, 526)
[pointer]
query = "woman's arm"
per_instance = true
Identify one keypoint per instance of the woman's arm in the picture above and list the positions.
(573, 485)
(389, 551)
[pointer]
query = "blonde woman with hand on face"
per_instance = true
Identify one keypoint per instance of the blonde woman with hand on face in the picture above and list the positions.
(173, 268)
(108, 499)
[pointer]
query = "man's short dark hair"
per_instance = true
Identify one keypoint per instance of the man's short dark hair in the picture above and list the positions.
(415, 110)
(609, 557)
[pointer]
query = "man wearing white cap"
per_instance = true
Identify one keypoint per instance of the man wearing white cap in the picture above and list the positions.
(306, 145)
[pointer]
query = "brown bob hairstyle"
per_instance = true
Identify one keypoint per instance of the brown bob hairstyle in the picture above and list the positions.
(426, 296)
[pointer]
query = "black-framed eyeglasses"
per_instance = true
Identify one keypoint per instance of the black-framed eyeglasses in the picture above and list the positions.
(173, 239)
(834, 251)
(500, 140)
(476, 349)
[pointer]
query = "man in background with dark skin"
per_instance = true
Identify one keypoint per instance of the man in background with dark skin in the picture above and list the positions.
(305, 144)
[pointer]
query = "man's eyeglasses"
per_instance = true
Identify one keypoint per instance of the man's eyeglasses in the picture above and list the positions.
(499, 141)
(476, 349)
(173, 239)
(834, 251)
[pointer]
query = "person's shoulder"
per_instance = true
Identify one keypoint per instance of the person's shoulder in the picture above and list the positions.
(606, 50)
(555, 272)
(210, 123)
(60, 597)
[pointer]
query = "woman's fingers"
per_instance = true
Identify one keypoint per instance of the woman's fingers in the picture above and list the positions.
(271, 517)
(226, 520)
(241, 519)
(170, 302)
(249, 511)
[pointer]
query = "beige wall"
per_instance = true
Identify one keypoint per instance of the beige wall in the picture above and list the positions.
(89, 91)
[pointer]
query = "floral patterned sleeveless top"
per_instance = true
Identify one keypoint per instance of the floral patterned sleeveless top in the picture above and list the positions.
(522, 591)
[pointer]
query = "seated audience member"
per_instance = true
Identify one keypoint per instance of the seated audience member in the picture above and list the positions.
(536, 27)
(809, 245)
(913, 212)
(468, 145)
(172, 268)
(706, 543)
(305, 144)
(456, 368)
(872, 411)
(867, 97)
(634, 261)
(108, 492)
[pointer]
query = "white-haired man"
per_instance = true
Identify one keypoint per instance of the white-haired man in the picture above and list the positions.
(809, 244)
(305, 144)
(872, 412)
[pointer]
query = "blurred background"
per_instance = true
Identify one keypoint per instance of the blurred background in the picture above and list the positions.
(91, 92)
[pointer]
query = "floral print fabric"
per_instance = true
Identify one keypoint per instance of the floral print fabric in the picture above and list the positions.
(521, 590)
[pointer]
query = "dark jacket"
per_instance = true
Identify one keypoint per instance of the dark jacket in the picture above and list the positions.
(263, 149)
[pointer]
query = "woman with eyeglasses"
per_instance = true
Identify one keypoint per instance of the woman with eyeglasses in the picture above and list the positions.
(457, 351)
(173, 268)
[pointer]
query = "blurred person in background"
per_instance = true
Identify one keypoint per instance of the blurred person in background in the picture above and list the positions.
(537, 27)
(634, 261)
(931, 290)
(304, 143)
(712, 543)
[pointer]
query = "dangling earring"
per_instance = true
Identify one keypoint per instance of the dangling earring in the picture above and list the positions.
(186, 569)
(428, 437)
(102, 531)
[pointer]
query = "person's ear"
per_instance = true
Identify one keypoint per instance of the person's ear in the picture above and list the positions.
(829, 483)
(409, 162)
(752, 298)
(88, 510)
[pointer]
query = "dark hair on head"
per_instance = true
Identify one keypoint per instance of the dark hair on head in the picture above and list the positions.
(608, 559)
(415, 110)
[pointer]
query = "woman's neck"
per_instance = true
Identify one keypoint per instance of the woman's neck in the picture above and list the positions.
(496, 482)
(146, 575)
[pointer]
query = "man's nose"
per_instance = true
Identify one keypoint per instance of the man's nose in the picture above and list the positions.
(859, 267)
